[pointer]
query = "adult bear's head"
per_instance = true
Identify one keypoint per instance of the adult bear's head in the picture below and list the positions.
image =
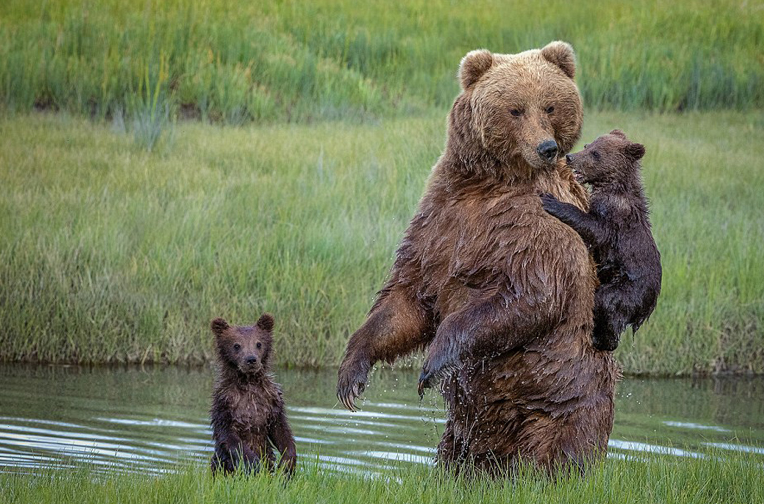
(517, 112)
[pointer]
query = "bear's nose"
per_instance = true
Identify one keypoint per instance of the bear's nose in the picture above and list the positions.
(251, 359)
(568, 158)
(547, 150)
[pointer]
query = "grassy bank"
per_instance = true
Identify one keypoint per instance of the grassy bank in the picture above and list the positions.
(112, 254)
(302, 60)
(656, 480)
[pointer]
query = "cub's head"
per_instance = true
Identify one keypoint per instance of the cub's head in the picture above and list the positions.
(246, 349)
(610, 159)
(524, 109)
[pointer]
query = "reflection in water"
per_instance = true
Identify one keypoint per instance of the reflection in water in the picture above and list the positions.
(150, 419)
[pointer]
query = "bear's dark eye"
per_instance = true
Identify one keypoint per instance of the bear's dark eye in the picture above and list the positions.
(550, 109)
(237, 347)
(516, 112)
(259, 345)
(596, 155)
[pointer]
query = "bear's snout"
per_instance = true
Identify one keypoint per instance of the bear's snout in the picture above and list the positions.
(251, 359)
(547, 150)
(569, 158)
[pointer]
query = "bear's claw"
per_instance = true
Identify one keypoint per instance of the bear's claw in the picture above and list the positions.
(348, 394)
(424, 383)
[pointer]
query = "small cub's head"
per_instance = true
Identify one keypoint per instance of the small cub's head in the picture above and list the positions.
(244, 348)
(611, 158)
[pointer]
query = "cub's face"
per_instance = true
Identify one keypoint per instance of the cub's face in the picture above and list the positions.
(245, 348)
(526, 107)
(608, 159)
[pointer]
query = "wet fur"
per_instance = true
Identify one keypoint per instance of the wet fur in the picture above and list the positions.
(499, 292)
(248, 416)
(617, 231)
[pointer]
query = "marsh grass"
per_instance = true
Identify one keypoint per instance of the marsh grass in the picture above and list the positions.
(238, 62)
(714, 479)
(150, 107)
(113, 254)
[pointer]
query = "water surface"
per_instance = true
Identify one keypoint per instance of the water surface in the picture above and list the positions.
(150, 419)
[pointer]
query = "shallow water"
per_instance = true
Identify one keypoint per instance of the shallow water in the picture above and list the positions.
(150, 419)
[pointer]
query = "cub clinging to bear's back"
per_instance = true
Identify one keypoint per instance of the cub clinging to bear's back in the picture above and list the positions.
(617, 231)
(248, 415)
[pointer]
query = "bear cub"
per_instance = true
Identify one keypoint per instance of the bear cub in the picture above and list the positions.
(248, 417)
(617, 231)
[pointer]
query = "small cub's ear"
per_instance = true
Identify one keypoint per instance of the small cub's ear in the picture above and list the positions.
(618, 133)
(635, 151)
(218, 326)
(265, 322)
(473, 66)
(561, 54)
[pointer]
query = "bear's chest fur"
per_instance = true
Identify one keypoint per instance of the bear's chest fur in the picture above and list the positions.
(472, 238)
(252, 408)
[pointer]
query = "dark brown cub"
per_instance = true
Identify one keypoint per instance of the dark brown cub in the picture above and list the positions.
(617, 231)
(248, 416)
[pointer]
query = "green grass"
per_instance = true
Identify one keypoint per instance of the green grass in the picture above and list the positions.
(303, 60)
(675, 481)
(113, 254)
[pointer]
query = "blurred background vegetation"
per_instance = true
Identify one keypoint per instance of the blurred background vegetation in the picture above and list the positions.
(305, 60)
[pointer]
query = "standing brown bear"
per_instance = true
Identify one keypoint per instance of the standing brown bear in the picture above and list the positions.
(248, 415)
(617, 231)
(499, 292)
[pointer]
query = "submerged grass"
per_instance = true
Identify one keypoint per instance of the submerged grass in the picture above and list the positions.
(112, 254)
(678, 481)
(325, 59)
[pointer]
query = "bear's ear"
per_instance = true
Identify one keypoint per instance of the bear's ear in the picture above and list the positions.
(473, 66)
(219, 326)
(618, 133)
(635, 151)
(265, 322)
(561, 54)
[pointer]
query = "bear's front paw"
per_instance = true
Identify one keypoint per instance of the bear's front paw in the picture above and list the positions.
(351, 382)
(436, 366)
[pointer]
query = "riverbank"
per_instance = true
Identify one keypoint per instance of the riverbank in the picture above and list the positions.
(718, 480)
(113, 254)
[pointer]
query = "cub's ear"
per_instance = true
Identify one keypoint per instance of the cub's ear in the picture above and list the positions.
(265, 322)
(635, 151)
(561, 54)
(618, 133)
(219, 326)
(473, 66)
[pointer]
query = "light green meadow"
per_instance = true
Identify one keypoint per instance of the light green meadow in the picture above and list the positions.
(113, 254)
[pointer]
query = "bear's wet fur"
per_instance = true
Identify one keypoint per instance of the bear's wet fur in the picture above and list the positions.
(247, 415)
(617, 230)
(499, 292)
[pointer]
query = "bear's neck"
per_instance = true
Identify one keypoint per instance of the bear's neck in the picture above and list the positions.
(626, 184)
(231, 376)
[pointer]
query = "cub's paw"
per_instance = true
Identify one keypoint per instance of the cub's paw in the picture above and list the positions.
(604, 343)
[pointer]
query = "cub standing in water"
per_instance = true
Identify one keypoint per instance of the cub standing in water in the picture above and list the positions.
(617, 231)
(248, 416)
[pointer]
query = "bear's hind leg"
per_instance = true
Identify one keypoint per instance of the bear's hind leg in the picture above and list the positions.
(609, 319)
